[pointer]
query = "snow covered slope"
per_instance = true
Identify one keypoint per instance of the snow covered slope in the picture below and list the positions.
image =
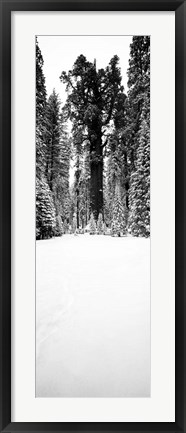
(93, 317)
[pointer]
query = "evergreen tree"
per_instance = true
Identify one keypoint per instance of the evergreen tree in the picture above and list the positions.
(72, 204)
(137, 136)
(65, 227)
(53, 138)
(61, 177)
(40, 114)
(100, 225)
(113, 172)
(93, 98)
(82, 184)
(59, 226)
(116, 174)
(53, 149)
(92, 225)
(84, 189)
(58, 155)
(138, 95)
(40, 87)
(139, 205)
(116, 168)
(104, 228)
(74, 224)
(45, 210)
(118, 214)
(77, 185)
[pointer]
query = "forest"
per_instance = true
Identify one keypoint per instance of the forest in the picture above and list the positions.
(102, 132)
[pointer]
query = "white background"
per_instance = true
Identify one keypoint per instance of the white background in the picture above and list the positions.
(160, 407)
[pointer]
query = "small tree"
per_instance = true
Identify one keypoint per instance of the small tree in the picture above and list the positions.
(45, 211)
(65, 227)
(74, 224)
(104, 228)
(92, 225)
(100, 225)
(59, 226)
(118, 215)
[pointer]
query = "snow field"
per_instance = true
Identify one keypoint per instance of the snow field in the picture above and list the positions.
(93, 317)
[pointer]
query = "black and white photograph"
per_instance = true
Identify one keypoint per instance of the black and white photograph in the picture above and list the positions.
(92, 200)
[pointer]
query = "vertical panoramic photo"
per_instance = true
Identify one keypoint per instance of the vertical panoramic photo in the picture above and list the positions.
(92, 216)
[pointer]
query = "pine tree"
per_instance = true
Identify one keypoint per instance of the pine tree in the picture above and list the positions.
(104, 228)
(45, 210)
(113, 172)
(116, 164)
(118, 215)
(40, 114)
(58, 155)
(92, 225)
(138, 94)
(137, 136)
(61, 176)
(59, 226)
(65, 227)
(74, 224)
(139, 205)
(100, 225)
(53, 138)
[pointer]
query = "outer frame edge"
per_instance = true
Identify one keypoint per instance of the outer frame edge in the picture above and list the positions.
(180, 203)
(6, 343)
(5, 409)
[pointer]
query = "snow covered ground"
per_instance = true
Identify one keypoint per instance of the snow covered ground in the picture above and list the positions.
(93, 317)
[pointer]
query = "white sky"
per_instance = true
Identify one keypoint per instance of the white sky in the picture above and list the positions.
(60, 52)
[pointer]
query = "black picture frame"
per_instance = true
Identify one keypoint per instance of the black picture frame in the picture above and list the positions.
(6, 7)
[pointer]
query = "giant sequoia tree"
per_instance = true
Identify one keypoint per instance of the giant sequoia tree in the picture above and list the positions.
(93, 97)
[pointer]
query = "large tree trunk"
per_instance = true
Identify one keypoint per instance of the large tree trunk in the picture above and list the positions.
(77, 206)
(77, 190)
(96, 170)
(52, 163)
